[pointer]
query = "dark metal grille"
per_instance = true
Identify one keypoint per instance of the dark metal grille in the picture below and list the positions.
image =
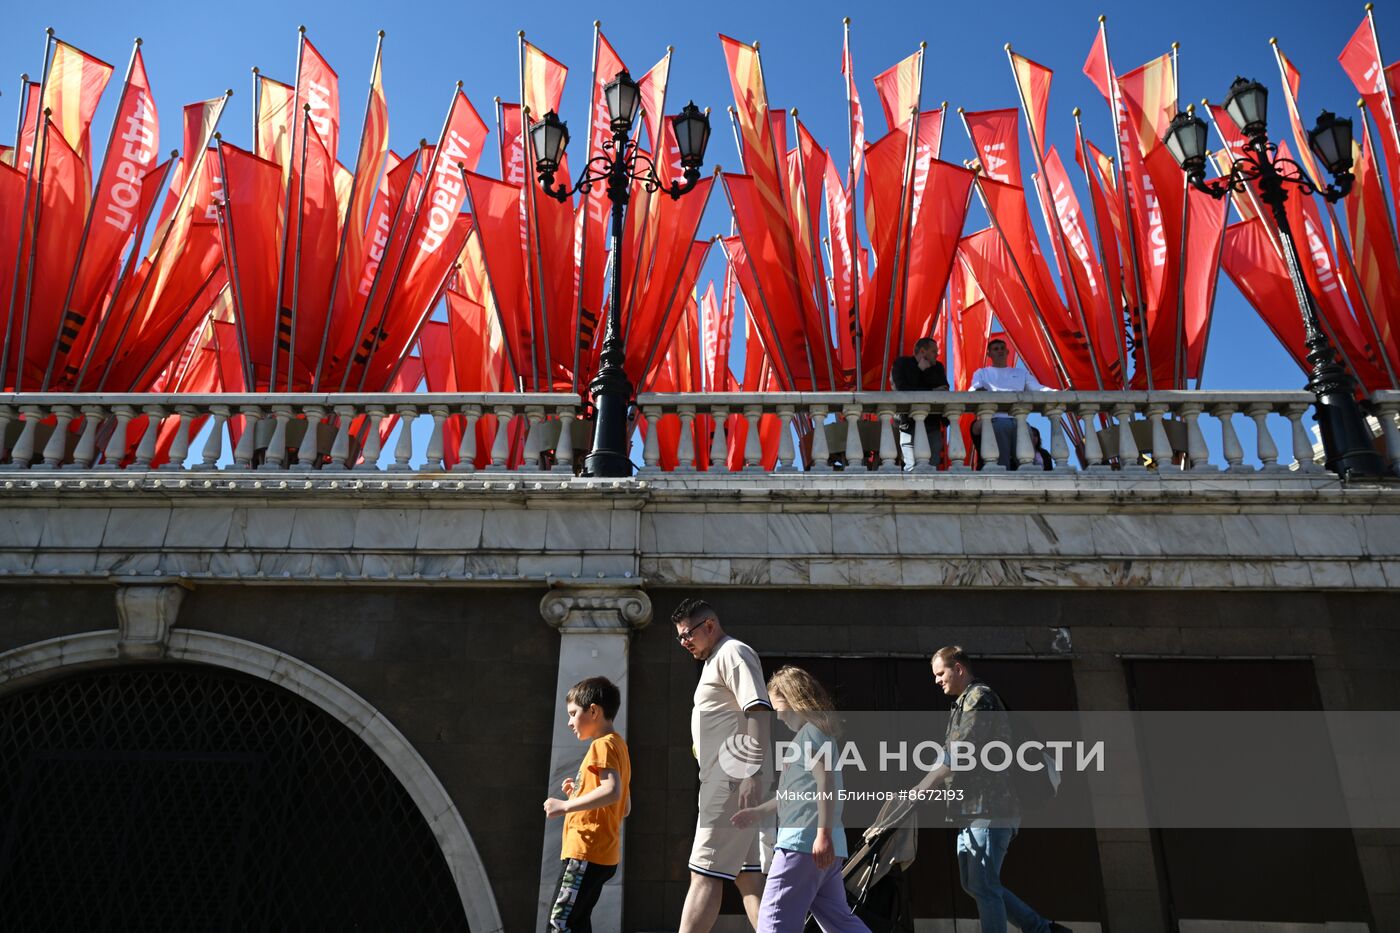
(193, 798)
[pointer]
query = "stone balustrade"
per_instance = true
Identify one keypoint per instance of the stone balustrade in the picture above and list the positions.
(820, 433)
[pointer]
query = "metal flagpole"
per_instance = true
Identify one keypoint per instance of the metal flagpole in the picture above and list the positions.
(582, 262)
(1140, 309)
(857, 341)
(1048, 203)
(349, 217)
(189, 185)
(534, 250)
(231, 259)
(818, 270)
(33, 248)
(257, 106)
(24, 211)
(68, 314)
(286, 214)
(417, 209)
(646, 231)
(906, 227)
(1116, 300)
(131, 261)
(1179, 360)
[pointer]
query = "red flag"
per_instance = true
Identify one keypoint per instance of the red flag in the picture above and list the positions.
(1086, 274)
(29, 125)
(937, 223)
(990, 263)
(856, 115)
(996, 142)
(1097, 67)
(74, 86)
(495, 207)
(1206, 229)
(1148, 94)
(594, 206)
(1033, 83)
(253, 189)
(374, 145)
(1253, 265)
(542, 80)
(1361, 60)
(312, 241)
(1291, 81)
(318, 87)
(1376, 266)
(899, 91)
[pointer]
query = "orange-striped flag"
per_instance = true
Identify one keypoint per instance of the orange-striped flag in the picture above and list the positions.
(1291, 80)
(1033, 82)
(1149, 96)
(374, 146)
(274, 130)
(898, 88)
(75, 84)
(541, 80)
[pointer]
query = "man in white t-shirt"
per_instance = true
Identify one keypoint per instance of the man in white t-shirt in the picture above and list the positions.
(730, 731)
(1000, 377)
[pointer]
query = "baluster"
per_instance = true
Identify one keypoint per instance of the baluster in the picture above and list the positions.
(821, 454)
(564, 447)
(1093, 451)
(1025, 451)
(1059, 444)
(214, 443)
(500, 444)
(1128, 453)
(534, 417)
(403, 450)
(989, 449)
(116, 444)
(923, 451)
(1229, 440)
(247, 441)
(373, 444)
(753, 444)
(1385, 412)
(1303, 455)
(86, 452)
(957, 451)
(309, 453)
(1197, 453)
(466, 451)
(7, 416)
(436, 441)
(719, 444)
(1161, 447)
(57, 448)
(787, 456)
(1268, 450)
(855, 450)
(23, 454)
(180, 447)
(685, 452)
(276, 454)
(889, 448)
(340, 447)
(146, 449)
(651, 447)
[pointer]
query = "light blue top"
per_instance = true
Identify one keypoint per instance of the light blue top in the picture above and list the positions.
(797, 790)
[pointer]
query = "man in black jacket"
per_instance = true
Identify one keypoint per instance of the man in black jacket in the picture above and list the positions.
(920, 373)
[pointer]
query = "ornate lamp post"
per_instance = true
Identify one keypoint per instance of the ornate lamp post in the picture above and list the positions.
(620, 165)
(1346, 439)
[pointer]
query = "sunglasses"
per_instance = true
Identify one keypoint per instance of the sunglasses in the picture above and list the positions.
(689, 633)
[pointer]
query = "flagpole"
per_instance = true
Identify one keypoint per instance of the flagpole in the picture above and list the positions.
(231, 259)
(1040, 316)
(33, 248)
(19, 113)
(818, 270)
(857, 342)
(535, 250)
(529, 301)
(579, 274)
(1048, 201)
(1139, 312)
(189, 184)
(24, 211)
(286, 215)
(68, 315)
(646, 214)
(296, 257)
(642, 233)
(1371, 148)
(906, 231)
(773, 329)
(491, 285)
(349, 214)
(131, 260)
(1103, 250)
(905, 184)
(257, 106)
(1179, 363)
(1385, 89)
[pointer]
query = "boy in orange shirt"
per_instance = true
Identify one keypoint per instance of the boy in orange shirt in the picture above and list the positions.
(597, 800)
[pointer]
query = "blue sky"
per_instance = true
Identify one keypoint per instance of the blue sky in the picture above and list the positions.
(195, 51)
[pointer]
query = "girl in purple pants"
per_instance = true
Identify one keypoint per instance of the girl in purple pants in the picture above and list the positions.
(811, 845)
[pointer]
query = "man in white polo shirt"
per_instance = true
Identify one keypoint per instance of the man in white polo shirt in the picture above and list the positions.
(999, 377)
(730, 730)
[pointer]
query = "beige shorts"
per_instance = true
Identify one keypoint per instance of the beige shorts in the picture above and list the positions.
(721, 849)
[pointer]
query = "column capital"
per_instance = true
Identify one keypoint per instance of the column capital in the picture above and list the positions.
(607, 607)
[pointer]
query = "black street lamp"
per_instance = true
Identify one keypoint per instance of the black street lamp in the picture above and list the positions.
(1346, 440)
(620, 165)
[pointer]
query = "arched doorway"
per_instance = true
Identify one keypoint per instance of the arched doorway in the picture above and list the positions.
(183, 796)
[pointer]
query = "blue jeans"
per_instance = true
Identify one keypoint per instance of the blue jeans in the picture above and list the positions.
(981, 849)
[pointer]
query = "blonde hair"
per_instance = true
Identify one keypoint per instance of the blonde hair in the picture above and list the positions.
(805, 694)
